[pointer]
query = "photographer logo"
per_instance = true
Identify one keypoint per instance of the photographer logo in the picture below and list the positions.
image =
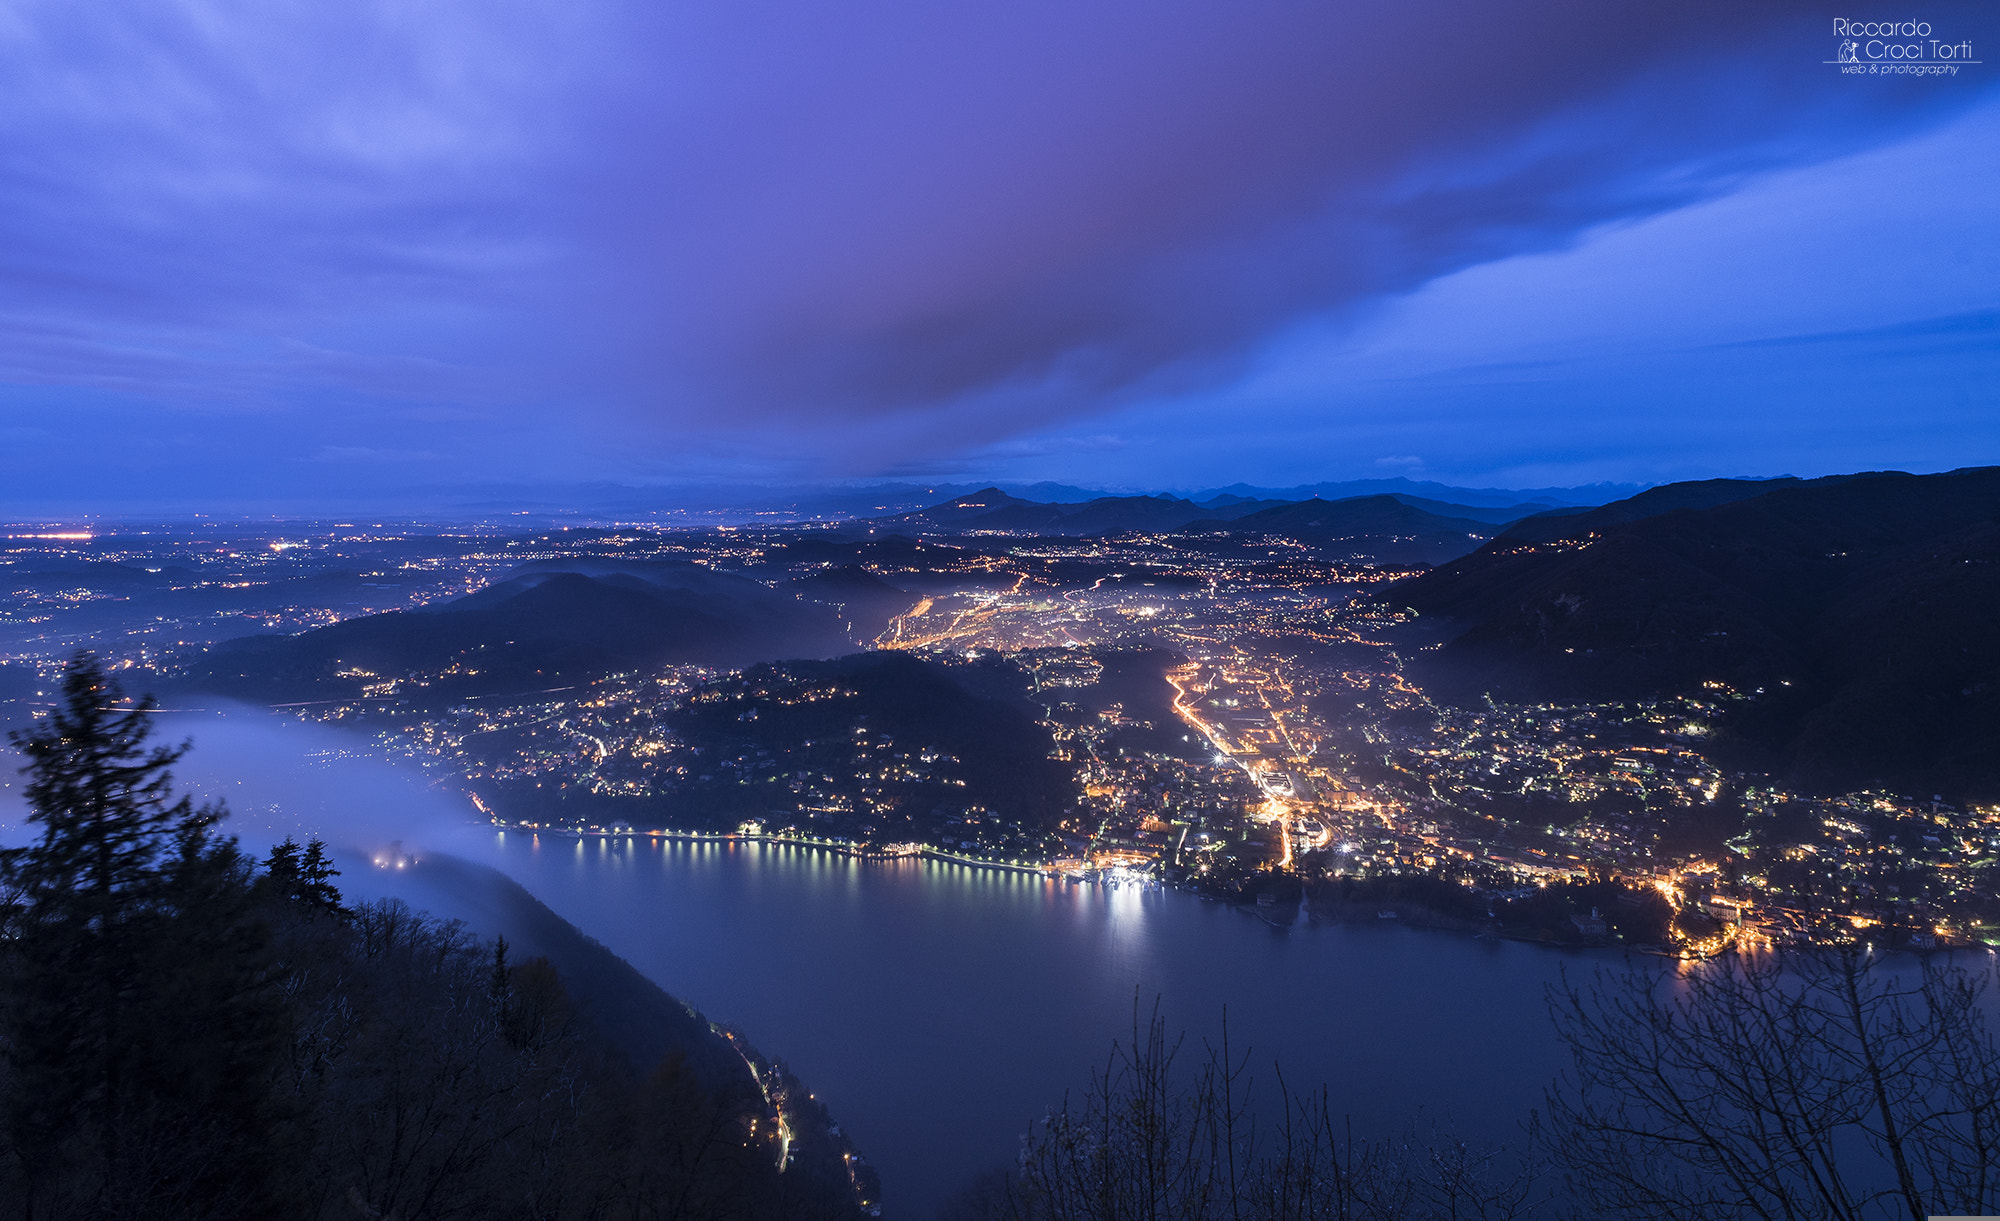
(1896, 48)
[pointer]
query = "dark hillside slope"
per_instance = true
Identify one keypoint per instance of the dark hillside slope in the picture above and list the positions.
(637, 1017)
(865, 601)
(1496, 515)
(545, 626)
(1696, 494)
(631, 1011)
(1862, 606)
(836, 716)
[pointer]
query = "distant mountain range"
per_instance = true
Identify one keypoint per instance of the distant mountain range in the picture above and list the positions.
(1854, 612)
(760, 502)
(1378, 529)
(720, 503)
(1850, 614)
(546, 625)
(1490, 498)
(1392, 529)
(990, 509)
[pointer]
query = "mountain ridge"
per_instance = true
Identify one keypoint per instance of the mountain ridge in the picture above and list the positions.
(1847, 613)
(543, 624)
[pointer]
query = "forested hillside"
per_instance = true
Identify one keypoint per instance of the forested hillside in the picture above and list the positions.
(189, 1033)
(1850, 617)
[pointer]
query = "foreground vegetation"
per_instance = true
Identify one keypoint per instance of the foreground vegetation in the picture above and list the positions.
(186, 1033)
(1810, 1086)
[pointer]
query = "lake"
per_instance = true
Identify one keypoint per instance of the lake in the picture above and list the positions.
(940, 1008)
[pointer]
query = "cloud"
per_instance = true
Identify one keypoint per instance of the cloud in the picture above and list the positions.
(369, 453)
(611, 236)
(280, 777)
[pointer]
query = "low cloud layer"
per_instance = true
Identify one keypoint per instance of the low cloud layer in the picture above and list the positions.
(282, 778)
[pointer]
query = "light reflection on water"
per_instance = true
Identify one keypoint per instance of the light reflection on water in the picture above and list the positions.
(941, 1007)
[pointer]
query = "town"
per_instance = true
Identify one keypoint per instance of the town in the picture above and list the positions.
(1235, 716)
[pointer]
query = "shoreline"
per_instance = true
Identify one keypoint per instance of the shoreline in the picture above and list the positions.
(838, 847)
(1304, 908)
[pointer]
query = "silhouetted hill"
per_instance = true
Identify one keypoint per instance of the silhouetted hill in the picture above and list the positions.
(1132, 682)
(993, 509)
(547, 625)
(1586, 494)
(1157, 514)
(958, 512)
(98, 575)
(640, 1018)
(884, 746)
(940, 738)
(1396, 527)
(865, 601)
(1861, 605)
(644, 1022)
(118, 601)
(1367, 528)
(1493, 515)
(1698, 494)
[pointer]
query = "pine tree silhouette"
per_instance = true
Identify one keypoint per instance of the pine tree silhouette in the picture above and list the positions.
(138, 1014)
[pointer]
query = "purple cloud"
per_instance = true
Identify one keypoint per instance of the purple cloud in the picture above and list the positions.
(843, 236)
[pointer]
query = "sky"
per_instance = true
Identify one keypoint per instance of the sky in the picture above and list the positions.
(273, 253)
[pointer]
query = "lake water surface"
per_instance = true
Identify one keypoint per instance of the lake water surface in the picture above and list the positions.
(939, 1008)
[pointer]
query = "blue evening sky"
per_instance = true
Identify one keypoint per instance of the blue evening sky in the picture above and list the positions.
(290, 255)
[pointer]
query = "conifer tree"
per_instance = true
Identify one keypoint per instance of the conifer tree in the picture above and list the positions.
(129, 956)
(304, 875)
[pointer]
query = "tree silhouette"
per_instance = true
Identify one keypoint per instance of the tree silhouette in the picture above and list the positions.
(138, 1019)
(304, 875)
(1826, 1084)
